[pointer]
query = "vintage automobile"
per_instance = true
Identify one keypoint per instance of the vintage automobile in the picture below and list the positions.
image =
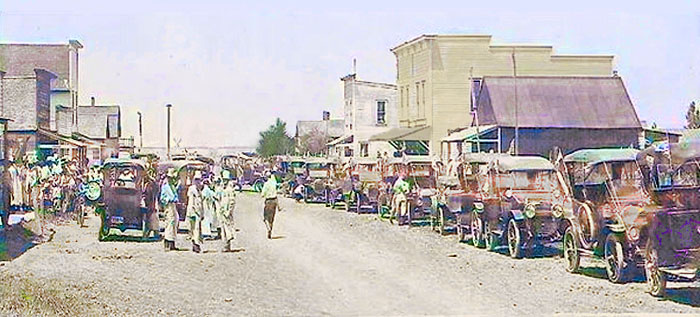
(185, 170)
(365, 191)
(524, 199)
(123, 204)
(459, 194)
(669, 237)
(421, 175)
(317, 182)
(611, 208)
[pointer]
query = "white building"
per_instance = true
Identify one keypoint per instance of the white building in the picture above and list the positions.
(369, 108)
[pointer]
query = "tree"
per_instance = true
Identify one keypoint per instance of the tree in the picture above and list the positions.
(275, 140)
(692, 117)
(313, 142)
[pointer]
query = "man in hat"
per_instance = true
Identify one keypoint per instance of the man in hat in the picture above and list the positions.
(168, 198)
(227, 203)
(195, 211)
(269, 192)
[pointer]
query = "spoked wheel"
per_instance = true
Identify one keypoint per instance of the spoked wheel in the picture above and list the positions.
(571, 255)
(257, 186)
(477, 228)
(515, 240)
(614, 258)
(656, 279)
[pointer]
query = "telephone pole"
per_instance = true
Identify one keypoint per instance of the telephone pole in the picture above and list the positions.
(168, 106)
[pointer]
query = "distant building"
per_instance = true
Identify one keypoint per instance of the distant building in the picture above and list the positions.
(437, 75)
(317, 133)
(570, 113)
(59, 59)
(369, 108)
(100, 124)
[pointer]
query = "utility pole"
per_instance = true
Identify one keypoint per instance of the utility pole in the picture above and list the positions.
(515, 88)
(140, 132)
(168, 106)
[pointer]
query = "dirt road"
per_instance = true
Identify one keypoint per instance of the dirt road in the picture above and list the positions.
(324, 262)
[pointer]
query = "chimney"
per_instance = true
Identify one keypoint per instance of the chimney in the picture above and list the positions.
(92, 101)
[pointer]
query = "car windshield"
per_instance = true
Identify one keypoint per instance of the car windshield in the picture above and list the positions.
(317, 166)
(687, 175)
(535, 180)
(123, 177)
(297, 164)
(623, 176)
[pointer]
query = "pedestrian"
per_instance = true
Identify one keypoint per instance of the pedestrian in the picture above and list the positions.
(208, 210)
(195, 211)
(400, 201)
(269, 193)
(227, 204)
(168, 198)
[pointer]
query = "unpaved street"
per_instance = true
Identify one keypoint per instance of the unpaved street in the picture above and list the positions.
(324, 262)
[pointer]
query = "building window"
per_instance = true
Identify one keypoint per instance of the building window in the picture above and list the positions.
(476, 88)
(381, 112)
(422, 108)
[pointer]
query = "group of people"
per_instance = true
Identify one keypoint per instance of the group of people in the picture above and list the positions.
(210, 205)
(45, 186)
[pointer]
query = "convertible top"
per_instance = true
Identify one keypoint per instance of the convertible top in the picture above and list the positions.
(594, 156)
(116, 162)
(177, 165)
(678, 153)
(523, 163)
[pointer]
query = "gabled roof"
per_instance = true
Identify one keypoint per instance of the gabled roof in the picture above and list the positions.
(594, 156)
(99, 122)
(556, 102)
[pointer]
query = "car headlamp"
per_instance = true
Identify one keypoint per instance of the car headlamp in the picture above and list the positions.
(557, 211)
(633, 234)
(530, 211)
(479, 207)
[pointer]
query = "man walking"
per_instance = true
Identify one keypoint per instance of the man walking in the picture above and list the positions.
(168, 198)
(194, 211)
(269, 192)
(400, 201)
(227, 203)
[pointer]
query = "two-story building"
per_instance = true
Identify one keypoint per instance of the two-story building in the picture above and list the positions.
(437, 74)
(369, 108)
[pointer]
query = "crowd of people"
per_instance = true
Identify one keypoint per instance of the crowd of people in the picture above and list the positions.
(45, 186)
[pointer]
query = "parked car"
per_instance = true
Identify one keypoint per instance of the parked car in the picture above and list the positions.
(669, 239)
(123, 204)
(525, 199)
(366, 190)
(460, 194)
(185, 170)
(316, 184)
(421, 175)
(611, 206)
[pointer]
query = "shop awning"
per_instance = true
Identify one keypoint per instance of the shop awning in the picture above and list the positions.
(468, 133)
(342, 140)
(404, 134)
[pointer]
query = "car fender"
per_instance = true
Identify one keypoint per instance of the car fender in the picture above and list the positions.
(518, 215)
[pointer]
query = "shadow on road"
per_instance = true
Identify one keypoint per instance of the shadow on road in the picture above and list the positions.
(277, 237)
(15, 241)
(684, 295)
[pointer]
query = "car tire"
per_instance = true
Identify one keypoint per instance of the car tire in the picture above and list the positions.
(477, 229)
(492, 239)
(614, 256)
(515, 240)
(656, 279)
(571, 251)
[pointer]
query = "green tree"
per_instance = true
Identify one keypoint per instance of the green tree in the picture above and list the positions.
(275, 140)
(692, 117)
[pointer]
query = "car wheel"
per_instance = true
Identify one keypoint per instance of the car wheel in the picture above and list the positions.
(515, 240)
(477, 228)
(257, 186)
(656, 279)
(571, 255)
(614, 258)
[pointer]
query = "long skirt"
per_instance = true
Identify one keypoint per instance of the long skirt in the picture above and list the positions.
(171, 222)
(269, 212)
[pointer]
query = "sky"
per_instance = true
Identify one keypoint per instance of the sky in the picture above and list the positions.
(229, 68)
